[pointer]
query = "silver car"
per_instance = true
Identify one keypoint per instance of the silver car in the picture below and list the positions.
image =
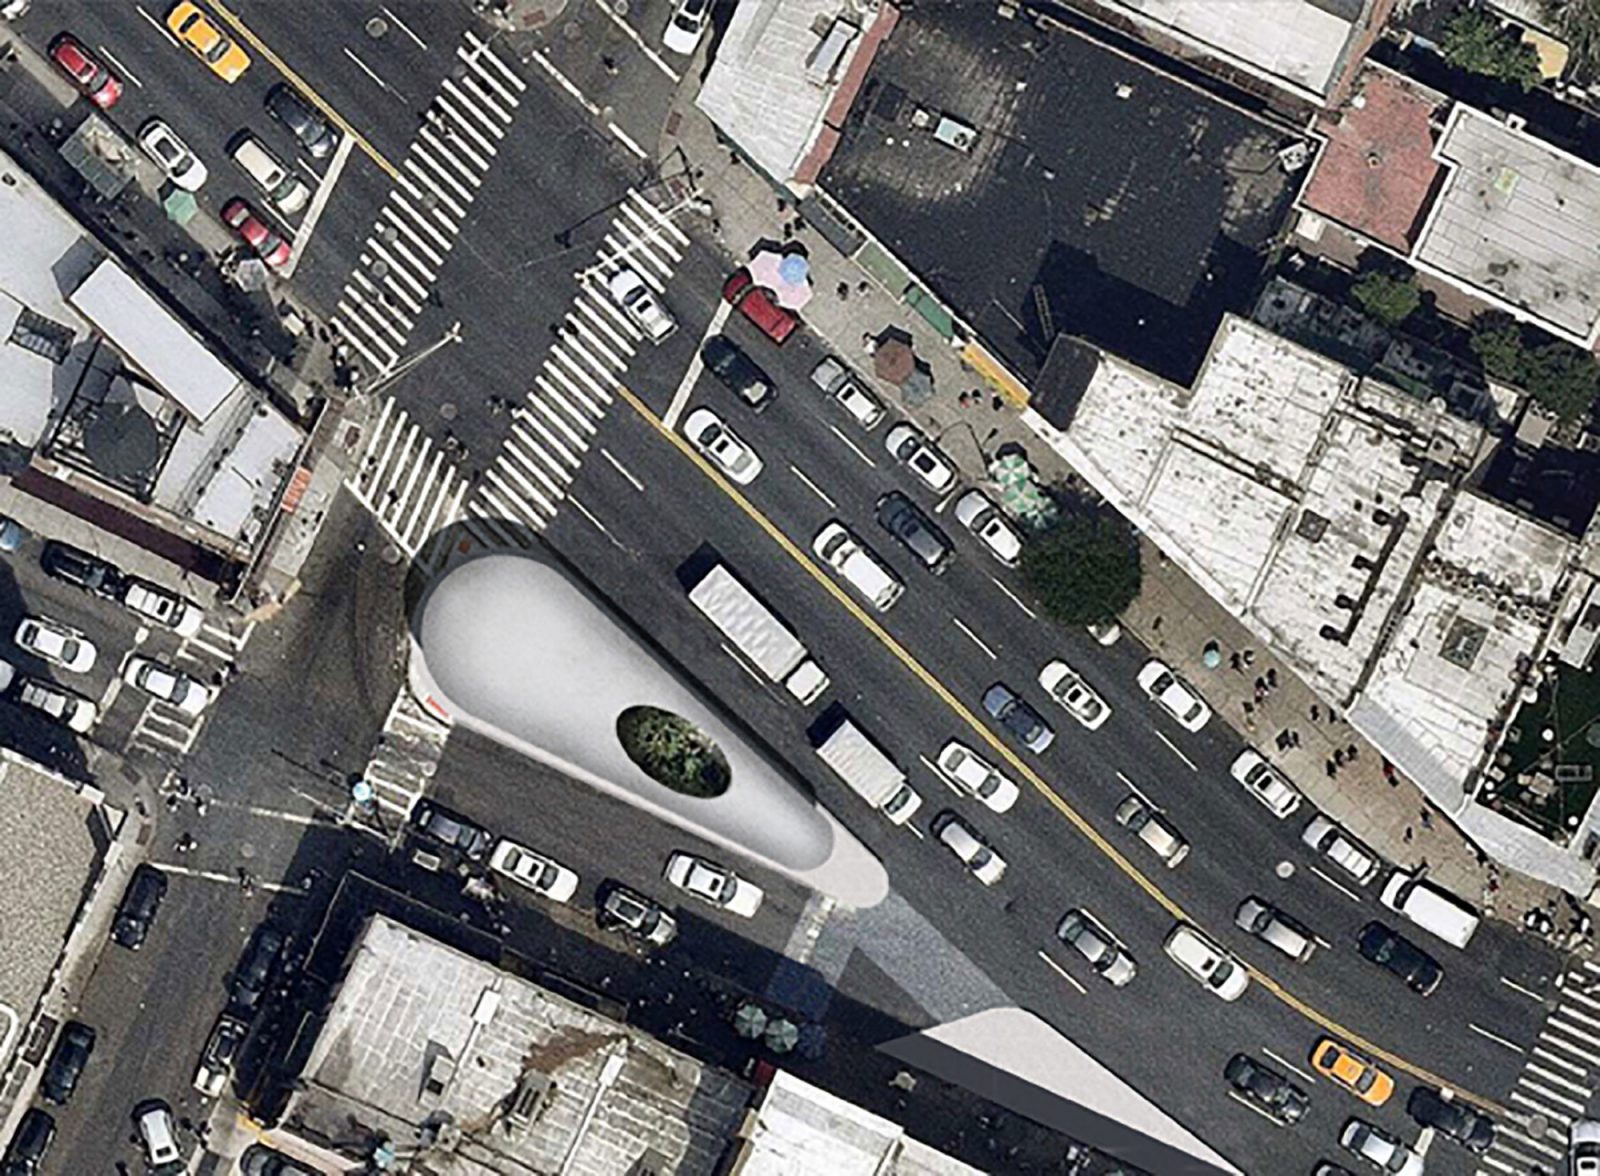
(1084, 934)
(1270, 925)
(1152, 828)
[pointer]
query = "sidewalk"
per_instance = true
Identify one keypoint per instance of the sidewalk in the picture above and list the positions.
(1173, 616)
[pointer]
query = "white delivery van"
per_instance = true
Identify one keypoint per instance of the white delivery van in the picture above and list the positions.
(857, 565)
(1434, 910)
(871, 774)
(758, 634)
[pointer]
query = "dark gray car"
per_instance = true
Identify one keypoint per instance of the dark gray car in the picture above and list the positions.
(1016, 716)
(304, 121)
(917, 533)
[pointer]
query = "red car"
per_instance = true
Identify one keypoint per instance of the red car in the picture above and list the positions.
(242, 219)
(97, 83)
(757, 305)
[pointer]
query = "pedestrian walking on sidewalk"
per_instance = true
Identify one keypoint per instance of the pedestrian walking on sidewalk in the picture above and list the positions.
(1408, 835)
(1236, 662)
(1427, 819)
(1272, 677)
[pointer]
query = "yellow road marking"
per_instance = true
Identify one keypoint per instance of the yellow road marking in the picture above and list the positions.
(1019, 765)
(300, 84)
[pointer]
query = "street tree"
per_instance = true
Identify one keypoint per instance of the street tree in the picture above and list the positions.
(1085, 569)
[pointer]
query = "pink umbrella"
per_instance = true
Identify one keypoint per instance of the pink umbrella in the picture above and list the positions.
(767, 270)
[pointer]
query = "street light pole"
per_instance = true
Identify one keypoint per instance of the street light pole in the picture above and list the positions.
(414, 360)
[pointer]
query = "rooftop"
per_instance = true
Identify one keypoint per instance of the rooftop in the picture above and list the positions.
(785, 75)
(1517, 223)
(422, 1034)
(1377, 170)
(1298, 45)
(1325, 511)
(1135, 223)
(49, 858)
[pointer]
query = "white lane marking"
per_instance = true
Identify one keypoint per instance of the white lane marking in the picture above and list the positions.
(916, 832)
(1064, 974)
(1336, 884)
(629, 31)
(121, 69)
(976, 640)
(319, 202)
(1193, 767)
(943, 778)
(856, 449)
(1424, 1141)
(1496, 1038)
(742, 663)
(159, 27)
(366, 69)
(230, 879)
(815, 489)
(1137, 791)
(622, 469)
(1542, 1091)
(1494, 1163)
(1543, 1054)
(588, 514)
(1287, 1064)
(1250, 1106)
(680, 397)
(402, 26)
(1570, 1030)
(564, 82)
(1552, 1076)
(1322, 942)
(1527, 992)
(1015, 599)
(1549, 1112)
(627, 141)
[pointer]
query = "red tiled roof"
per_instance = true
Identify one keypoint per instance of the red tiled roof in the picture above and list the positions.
(1377, 172)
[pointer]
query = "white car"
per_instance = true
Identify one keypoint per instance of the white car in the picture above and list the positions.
(220, 1055)
(169, 685)
(1173, 695)
(842, 386)
(1087, 936)
(688, 23)
(1583, 1139)
(976, 776)
(962, 840)
(1349, 854)
(1107, 634)
(983, 518)
(1380, 1149)
(906, 443)
(154, 1121)
(1264, 782)
(172, 155)
(155, 603)
(1062, 683)
(1153, 828)
(707, 433)
(56, 643)
(713, 884)
(629, 291)
(535, 871)
(1205, 960)
(73, 711)
(1275, 928)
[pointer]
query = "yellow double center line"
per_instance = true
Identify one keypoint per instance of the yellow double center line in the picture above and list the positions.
(982, 730)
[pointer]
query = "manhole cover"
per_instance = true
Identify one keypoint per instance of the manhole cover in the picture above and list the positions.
(448, 410)
(429, 200)
(246, 850)
(379, 268)
(1285, 869)
(377, 28)
(620, 7)
(572, 31)
(388, 234)
(391, 554)
(1538, 1126)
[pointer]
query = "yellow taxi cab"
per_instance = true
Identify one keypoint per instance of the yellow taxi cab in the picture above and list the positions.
(194, 29)
(1351, 1071)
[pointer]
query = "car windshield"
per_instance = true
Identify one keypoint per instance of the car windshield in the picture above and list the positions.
(1221, 973)
(1364, 1083)
(988, 785)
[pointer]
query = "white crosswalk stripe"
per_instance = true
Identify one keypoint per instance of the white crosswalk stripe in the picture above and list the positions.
(403, 762)
(1557, 1081)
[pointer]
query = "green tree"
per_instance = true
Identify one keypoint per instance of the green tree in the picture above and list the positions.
(1084, 570)
(1388, 299)
(1563, 378)
(1578, 22)
(673, 752)
(1479, 43)
(1497, 342)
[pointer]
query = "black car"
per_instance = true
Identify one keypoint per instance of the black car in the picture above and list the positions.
(1469, 1127)
(740, 374)
(1016, 716)
(1266, 1088)
(1389, 949)
(261, 1160)
(139, 905)
(452, 830)
(82, 570)
(304, 121)
(66, 1064)
(919, 534)
(30, 1144)
(253, 977)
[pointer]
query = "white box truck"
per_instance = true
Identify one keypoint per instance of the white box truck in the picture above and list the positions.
(756, 633)
(873, 776)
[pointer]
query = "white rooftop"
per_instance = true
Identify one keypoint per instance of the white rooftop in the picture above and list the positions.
(1305, 500)
(800, 1130)
(1296, 44)
(774, 75)
(419, 1031)
(1517, 222)
(154, 340)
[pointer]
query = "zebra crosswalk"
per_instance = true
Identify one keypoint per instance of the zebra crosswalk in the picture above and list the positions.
(405, 757)
(1556, 1084)
(163, 729)
(414, 485)
(462, 130)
